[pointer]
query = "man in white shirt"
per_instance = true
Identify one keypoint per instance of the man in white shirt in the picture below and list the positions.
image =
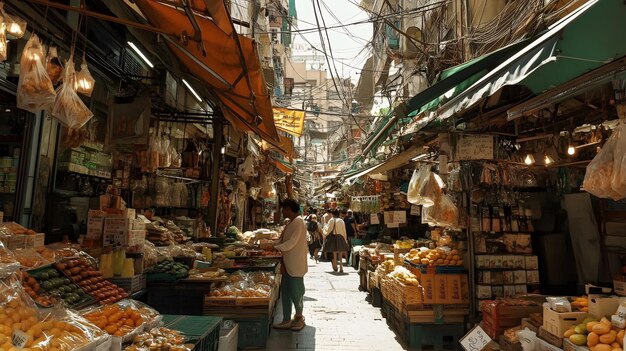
(294, 248)
(336, 240)
(327, 217)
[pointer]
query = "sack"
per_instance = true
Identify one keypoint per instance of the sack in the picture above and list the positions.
(311, 226)
(34, 89)
(412, 195)
(599, 174)
(68, 108)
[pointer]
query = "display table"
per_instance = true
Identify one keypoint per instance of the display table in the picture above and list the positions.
(202, 331)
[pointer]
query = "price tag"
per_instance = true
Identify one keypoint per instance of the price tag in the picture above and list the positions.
(20, 339)
(475, 340)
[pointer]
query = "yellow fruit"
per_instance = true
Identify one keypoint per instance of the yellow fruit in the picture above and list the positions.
(605, 321)
(617, 349)
(578, 339)
(568, 333)
(608, 338)
(590, 325)
(601, 328)
(580, 329)
(615, 345)
(620, 337)
(592, 339)
(602, 347)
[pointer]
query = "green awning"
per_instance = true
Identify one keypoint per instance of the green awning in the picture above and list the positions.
(586, 39)
(455, 80)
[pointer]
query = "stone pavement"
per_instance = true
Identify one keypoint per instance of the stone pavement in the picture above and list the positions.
(337, 316)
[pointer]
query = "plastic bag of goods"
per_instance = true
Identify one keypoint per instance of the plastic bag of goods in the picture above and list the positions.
(618, 179)
(68, 108)
(159, 339)
(34, 89)
(599, 174)
(53, 65)
(412, 194)
(3, 41)
(431, 188)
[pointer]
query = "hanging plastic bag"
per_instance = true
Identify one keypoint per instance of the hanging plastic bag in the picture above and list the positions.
(618, 179)
(84, 80)
(69, 109)
(175, 157)
(34, 89)
(3, 41)
(412, 194)
(431, 189)
(53, 65)
(599, 174)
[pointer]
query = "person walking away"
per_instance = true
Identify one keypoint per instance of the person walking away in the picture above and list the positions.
(315, 237)
(327, 217)
(294, 248)
(335, 234)
(350, 222)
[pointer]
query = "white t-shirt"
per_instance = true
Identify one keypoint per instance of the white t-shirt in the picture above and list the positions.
(294, 248)
(336, 225)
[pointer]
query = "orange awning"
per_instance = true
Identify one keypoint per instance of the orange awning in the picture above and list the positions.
(229, 63)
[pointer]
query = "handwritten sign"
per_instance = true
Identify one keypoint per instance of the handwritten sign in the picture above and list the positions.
(374, 218)
(475, 147)
(475, 340)
(395, 217)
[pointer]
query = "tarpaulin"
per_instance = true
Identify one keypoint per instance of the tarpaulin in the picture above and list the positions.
(224, 60)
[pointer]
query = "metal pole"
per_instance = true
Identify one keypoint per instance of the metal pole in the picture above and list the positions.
(215, 170)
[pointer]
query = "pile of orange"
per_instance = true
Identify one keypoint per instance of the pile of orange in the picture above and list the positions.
(115, 320)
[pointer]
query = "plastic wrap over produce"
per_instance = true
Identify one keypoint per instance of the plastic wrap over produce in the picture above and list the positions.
(606, 174)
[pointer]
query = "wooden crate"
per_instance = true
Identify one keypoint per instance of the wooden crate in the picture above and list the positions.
(508, 345)
(569, 346)
(549, 338)
(429, 316)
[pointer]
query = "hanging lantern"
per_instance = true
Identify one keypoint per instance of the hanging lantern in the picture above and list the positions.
(84, 80)
(16, 26)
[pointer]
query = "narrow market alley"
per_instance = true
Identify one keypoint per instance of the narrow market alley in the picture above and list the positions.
(338, 316)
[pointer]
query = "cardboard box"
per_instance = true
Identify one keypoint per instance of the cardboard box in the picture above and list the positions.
(521, 289)
(600, 306)
(135, 237)
(482, 261)
(96, 214)
(34, 241)
(95, 227)
(520, 277)
(554, 340)
(17, 242)
(519, 262)
(619, 288)
(428, 283)
(508, 277)
(557, 323)
(138, 224)
(465, 289)
(116, 225)
(497, 291)
(532, 277)
(509, 290)
(455, 292)
(441, 291)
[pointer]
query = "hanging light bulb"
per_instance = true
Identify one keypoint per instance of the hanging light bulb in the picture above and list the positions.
(547, 160)
(84, 81)
(16, 26)
(571, 150)
(529, 159)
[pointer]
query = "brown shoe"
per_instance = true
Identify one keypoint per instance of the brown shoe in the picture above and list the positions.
(284, 325)
(298, 324)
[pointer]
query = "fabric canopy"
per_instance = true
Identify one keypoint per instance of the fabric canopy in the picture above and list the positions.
(584, 40)
(225, 61)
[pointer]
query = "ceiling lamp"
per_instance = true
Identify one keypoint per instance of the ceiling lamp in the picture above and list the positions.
(547, 160)
(571, 150)
(529, 159)
(84, 81)
(140, 53)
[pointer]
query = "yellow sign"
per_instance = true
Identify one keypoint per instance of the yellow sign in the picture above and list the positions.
(290, 121)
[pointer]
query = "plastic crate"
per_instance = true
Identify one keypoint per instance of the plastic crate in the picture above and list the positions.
(161, 297)
(229, 336)
(202, 331)
(130, 285)
(437, 336)
(253, 332)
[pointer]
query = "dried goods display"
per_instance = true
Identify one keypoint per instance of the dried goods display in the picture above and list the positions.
(435, 257)
(218, 274)
(29, 258)
(159, 339)
(170, 267)
(33, 289)
(246, 284)
(116, 320)
(405, 276)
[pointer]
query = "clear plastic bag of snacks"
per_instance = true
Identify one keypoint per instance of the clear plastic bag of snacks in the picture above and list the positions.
(34, 89)
(53, 65)
(68, 108)
(599, 174)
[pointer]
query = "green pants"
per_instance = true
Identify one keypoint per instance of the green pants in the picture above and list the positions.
(292, 292)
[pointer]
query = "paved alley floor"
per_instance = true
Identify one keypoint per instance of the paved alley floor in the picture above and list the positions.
(338, 317)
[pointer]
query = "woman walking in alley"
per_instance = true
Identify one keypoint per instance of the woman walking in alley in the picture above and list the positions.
(315, 237)
(335, 240)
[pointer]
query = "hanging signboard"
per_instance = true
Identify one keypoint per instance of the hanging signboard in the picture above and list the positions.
(474, 147)
(290, 121)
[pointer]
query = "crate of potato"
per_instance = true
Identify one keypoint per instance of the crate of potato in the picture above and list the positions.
(81, 272)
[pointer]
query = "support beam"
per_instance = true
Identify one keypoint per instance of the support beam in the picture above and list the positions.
(218, 136)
